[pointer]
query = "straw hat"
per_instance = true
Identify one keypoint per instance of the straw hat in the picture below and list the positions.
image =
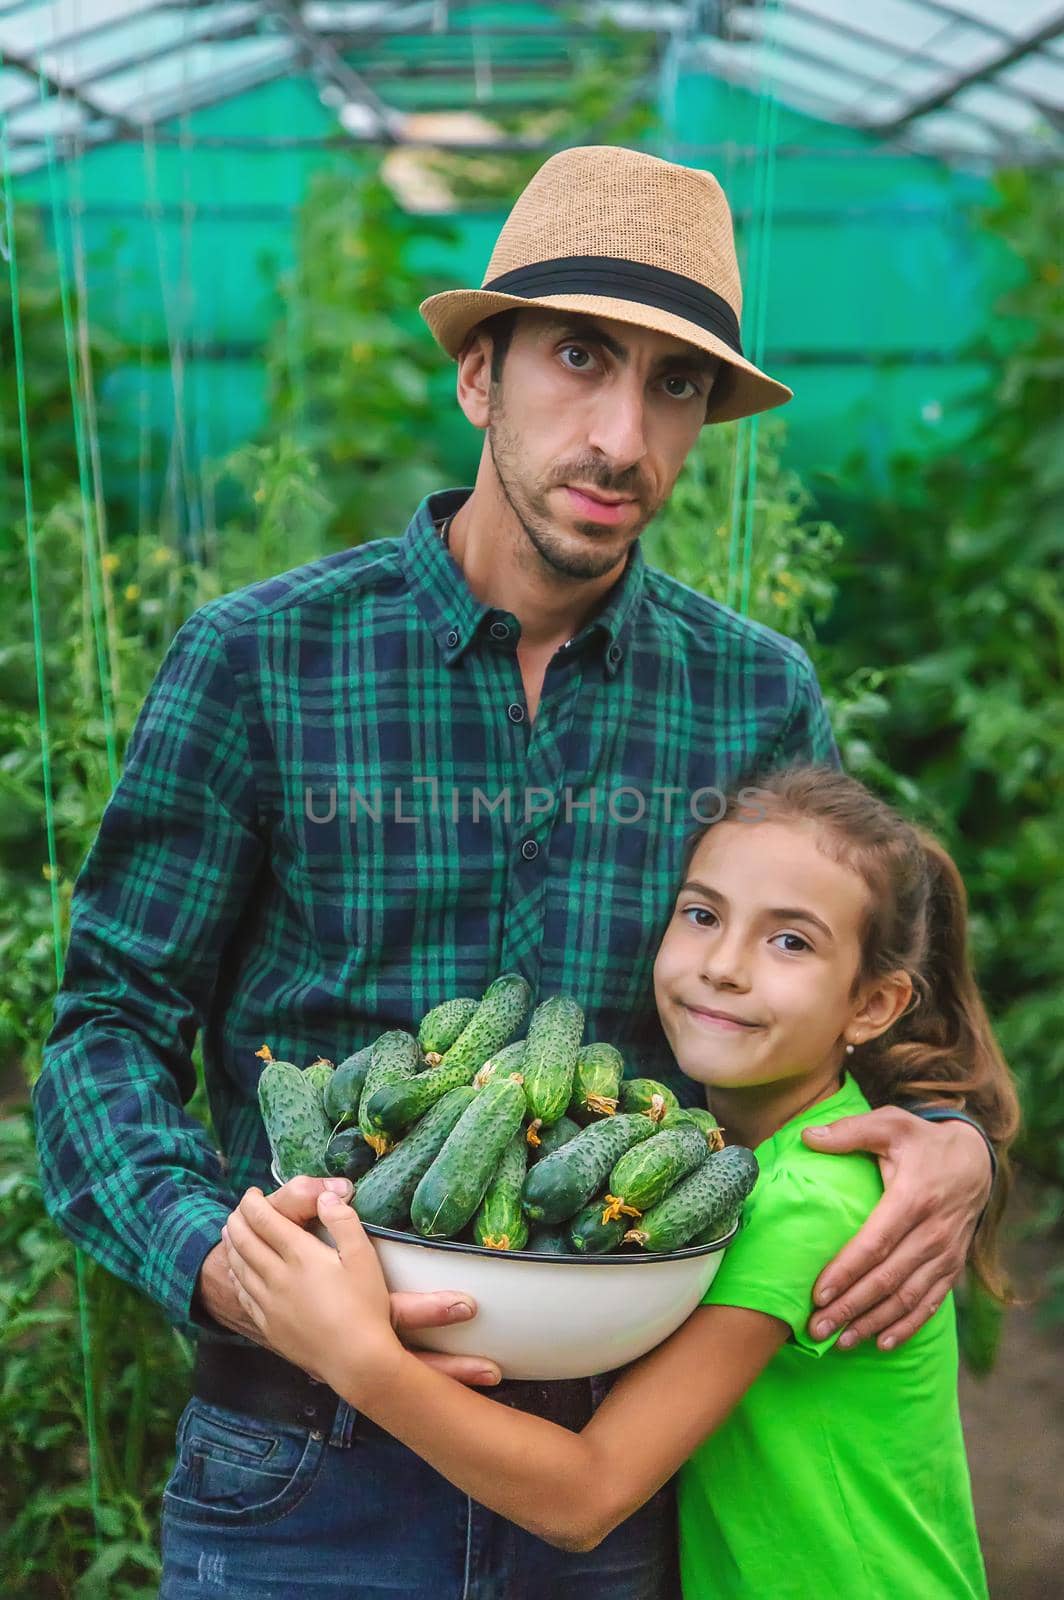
(604, 230)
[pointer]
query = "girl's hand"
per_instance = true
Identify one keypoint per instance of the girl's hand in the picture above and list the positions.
(327, 1310)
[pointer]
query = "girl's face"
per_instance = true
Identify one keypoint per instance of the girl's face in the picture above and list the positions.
(765, 930)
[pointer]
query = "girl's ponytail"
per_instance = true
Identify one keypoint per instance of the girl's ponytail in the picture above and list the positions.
(945, 1050)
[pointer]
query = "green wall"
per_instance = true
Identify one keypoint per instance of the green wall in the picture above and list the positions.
(877, 278)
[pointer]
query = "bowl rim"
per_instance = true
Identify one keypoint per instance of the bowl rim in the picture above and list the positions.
(607, 1259)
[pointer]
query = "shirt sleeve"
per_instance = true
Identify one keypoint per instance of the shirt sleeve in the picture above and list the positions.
(126, 1172)
(807, 734)
(794, 1222)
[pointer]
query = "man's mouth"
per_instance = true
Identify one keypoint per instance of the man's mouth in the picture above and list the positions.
(587, 504)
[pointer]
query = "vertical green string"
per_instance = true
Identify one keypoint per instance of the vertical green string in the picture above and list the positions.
(46, 776)
(760, 321)
(187, 301)
(92, 553)
(740, 478)
(85, 388)
(744, 478)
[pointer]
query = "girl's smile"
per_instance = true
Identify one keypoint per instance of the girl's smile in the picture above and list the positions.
(726, 1021)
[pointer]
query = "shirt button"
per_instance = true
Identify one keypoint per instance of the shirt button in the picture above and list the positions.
(452, 637)
(615, 652)
(530, 849)
(515, 712)
(499, 630)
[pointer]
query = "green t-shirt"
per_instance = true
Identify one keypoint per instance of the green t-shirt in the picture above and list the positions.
(840, 1472)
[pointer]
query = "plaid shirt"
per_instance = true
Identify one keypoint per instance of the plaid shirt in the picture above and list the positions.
(335, 813)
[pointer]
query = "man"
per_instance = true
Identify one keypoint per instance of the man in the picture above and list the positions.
(389, 776)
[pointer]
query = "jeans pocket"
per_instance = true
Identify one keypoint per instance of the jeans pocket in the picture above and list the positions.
(237, 1469)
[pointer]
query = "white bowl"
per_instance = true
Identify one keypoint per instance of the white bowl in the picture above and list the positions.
(549, 1317)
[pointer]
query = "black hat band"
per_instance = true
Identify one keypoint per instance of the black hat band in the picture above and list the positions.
(626, 280)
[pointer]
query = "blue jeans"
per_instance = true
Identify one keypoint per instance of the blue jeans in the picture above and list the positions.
(258, 1510)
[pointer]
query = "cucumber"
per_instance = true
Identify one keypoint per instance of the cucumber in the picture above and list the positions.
(319, 1073)
(505, 1063)
(396, 1057)
(394, 1106)
(455, 1184)
(648, 1096)
(561, 1183)
(644, 1175)
(552, 1138)
(549, 1062)
(347, 1155)
(441, 1026)
(549, 1242)
(383, 1196)
(499, 1014)
(296, 1124)
(596, 1082)
(710, 1197)
(344, 1089)
(589, 1235)
(711, 1128)
(500, 1224)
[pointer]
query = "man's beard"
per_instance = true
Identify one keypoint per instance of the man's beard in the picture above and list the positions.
(591, 557)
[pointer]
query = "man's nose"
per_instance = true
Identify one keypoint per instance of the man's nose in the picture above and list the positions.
(618, 428)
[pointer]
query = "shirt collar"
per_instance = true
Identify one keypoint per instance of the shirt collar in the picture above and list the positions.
(455, 615)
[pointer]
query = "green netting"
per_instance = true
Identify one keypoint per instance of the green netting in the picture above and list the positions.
(876, 283)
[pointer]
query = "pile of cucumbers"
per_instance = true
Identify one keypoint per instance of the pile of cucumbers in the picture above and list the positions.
(537, 1143)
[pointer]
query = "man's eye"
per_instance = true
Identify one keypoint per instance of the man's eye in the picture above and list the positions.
(676, 377)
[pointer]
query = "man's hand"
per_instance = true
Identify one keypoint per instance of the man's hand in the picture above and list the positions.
(298, 1201)
(894, 1274)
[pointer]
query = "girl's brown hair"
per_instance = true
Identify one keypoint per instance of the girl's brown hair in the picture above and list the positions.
(942, 1048)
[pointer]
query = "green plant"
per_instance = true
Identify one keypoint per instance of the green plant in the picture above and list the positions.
(697, 537)
(140, 1369)
(352, 383)
(953, 587)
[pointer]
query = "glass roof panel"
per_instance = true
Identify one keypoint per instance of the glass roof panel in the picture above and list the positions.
(1039, 75)
(14, 86)
(750, 63)
(157, 88)
(29, 29)
(1012, 115)
(1017, 17)
(945, 130)
(91, 54)
(48, 118)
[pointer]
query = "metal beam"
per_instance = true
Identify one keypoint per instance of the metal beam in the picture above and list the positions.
(333, 67)
(941, 97)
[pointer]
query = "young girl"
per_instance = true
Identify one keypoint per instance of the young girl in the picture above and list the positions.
(814, 964)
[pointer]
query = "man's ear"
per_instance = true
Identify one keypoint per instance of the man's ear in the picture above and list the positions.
(473, 381)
